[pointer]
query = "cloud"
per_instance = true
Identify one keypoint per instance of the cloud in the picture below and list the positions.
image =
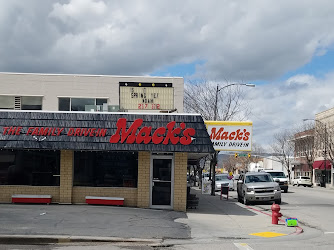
(283, 105)
(249, 40)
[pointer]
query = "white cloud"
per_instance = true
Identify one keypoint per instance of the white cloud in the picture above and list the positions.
(283, 105)
(249, 40)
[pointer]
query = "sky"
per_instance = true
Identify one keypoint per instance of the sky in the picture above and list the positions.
(285, 47)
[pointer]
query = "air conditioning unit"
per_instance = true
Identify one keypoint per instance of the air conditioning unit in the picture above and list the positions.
(113, 108)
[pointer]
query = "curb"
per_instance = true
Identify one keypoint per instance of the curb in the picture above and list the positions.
(49, 239)
(299, 230)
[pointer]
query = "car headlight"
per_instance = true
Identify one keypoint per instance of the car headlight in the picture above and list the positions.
(250, 189)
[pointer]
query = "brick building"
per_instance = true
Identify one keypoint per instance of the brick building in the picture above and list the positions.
(58, 137)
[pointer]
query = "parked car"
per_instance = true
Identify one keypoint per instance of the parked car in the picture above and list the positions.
(223, 180)
(258, 186)
(280, 178)
(302, 181)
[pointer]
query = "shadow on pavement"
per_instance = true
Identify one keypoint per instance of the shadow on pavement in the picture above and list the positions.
(209, 204)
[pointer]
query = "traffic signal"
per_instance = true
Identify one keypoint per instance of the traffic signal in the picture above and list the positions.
(236, 155)
(249, 155)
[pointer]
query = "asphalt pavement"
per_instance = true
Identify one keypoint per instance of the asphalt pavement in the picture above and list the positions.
(213, 219)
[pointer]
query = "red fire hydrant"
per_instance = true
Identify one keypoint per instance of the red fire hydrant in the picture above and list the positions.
(275, 208)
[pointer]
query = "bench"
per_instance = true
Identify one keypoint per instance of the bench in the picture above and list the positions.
(30, 198)
(96, 200)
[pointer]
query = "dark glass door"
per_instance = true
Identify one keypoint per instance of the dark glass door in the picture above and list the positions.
(161, 182)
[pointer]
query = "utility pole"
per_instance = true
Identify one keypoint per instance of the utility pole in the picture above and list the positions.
(214, 161)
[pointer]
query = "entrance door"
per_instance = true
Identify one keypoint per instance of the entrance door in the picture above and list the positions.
(162, 172)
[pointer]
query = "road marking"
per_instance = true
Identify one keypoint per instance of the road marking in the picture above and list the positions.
(243, 246)
(328, 232)
(268, 234)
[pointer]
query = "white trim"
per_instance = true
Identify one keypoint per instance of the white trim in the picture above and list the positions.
(103, 198)
(85, 112)
(172, 181)
(30, 196)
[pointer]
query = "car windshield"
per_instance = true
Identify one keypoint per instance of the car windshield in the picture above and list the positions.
(258, 178)
(306, 178)
(221, 177)
(277, 174)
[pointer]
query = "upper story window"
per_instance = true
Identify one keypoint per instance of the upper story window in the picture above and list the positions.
(21, 102)
(79, 104)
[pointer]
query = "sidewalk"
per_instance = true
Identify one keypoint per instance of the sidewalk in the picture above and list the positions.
(230, 219)
(213, 219)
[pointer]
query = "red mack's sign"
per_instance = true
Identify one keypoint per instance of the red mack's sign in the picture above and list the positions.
(230, 136)
(145, 135)
(131, 136)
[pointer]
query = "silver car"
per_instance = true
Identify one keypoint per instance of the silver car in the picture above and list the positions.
(258, 186)
(223, 180)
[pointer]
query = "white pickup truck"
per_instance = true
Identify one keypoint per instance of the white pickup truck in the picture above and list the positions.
(280, 178)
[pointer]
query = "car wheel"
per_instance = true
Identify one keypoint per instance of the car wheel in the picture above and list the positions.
(246, 202)
(285, 190)
(278, 201)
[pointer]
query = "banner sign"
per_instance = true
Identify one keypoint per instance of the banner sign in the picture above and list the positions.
(99, 131)
(230, 136)
(133, 134)
(146, 96)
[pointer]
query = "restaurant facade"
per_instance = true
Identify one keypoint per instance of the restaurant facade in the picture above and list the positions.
(70, 153)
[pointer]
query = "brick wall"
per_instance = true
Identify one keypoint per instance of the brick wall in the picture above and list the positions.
(66, 176)
(143, 197)
(180, 181)
(129, 194)
(7, 191)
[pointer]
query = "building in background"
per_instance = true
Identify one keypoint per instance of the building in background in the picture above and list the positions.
(304, 155)
(324, 133)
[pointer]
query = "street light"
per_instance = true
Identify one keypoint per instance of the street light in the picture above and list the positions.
(325, 153)
(219, 89)
(213, 180)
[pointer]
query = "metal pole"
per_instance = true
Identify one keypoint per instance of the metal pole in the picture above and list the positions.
(213, 167)
(325, 156)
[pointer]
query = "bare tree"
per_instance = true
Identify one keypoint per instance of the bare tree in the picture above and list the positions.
(330, 143)
(215, 101)
(283, 146)
(200, 97)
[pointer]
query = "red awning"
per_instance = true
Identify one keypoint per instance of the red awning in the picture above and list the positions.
(321, 164)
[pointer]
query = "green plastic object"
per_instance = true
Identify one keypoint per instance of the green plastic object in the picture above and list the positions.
(291, 222)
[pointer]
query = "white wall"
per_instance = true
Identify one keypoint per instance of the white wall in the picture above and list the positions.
(51, 86)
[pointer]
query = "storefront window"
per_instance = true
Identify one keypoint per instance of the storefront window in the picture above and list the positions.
(35, 168)
(106, 169)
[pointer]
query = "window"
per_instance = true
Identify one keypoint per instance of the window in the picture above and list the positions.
(21, 102)
(35, 168)
(6, 102)
(105, 169)
(31, 103)
(258, 178)
(78, 104)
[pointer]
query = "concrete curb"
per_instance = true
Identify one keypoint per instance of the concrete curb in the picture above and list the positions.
(298, 229)
(49, 239)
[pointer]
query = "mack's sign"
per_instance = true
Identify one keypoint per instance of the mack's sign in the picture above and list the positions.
(230, 136)
(135, 134)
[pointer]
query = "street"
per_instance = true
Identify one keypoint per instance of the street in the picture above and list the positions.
(311, 206)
